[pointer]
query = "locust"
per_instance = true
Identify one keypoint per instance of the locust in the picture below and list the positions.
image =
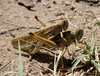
(57, 41)
(54, 36)
(27, 42)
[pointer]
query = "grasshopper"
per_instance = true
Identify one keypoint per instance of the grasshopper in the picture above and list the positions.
(58, 42)
(50, 37)
(48, 32)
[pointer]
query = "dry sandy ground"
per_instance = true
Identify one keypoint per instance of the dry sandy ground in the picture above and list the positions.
(17, 18)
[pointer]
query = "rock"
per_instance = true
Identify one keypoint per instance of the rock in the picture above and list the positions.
(26, 3)
(54, 2)
(58, 13)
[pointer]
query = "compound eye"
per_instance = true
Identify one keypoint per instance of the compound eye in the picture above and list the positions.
(79, 34)
(65, 25)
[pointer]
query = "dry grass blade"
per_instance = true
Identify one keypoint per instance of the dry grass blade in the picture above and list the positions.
(46, 68)
(5, 64)
(56, 63)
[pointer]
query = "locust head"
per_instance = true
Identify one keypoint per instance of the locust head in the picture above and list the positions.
(79, 34)
(65, 25)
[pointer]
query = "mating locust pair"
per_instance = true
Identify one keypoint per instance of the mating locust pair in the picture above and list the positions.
(54, 36)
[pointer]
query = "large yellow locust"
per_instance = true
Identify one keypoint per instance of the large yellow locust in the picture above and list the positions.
(27, 42)
(54, 36)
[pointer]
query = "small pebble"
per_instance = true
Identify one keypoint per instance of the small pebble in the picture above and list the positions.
(48, 6)
(72, 8)
(8, 49)
(67, 3)
(89, 27)
(33, 9)
(3, 32)
(54, 2)
(57, 13)
(12, 34)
